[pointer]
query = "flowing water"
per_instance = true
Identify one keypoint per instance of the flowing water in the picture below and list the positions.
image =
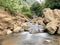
(25, 38)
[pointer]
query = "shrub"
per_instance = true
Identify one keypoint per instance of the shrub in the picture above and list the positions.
(26, 10)
(28, 14)
(14, 5)
(36, 8)
(53, 4)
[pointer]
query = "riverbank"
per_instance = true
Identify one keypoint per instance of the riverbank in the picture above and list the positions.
(14, 23)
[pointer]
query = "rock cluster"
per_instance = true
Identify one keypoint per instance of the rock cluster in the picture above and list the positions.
(18, 22)
(12, 23)
(52, 20)
(38, 20)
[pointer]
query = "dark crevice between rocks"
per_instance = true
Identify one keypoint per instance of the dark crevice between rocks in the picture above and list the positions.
(45, 22)
(45, 30)
(26, 21)
(26, 30)
(56, 30)
(10, 28)
(1, 29)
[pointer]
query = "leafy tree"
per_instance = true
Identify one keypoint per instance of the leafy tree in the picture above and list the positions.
(53, 4)
(36, 8)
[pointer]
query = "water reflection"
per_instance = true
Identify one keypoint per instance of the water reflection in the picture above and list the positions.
(25, 38)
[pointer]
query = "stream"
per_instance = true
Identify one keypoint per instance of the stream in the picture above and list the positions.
(25, 38)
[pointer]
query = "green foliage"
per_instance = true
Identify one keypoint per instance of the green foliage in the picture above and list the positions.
(26, 11)
(53, 4)
(37, 8)
(23, 6)
(14, 5)
(10, 4)
(28, 14)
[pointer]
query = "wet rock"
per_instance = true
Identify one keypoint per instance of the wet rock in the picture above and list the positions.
(5, 32)
(48, 41)
(38, 20)
(58, 31)
(41, 28)
(9, 31)
(18, 29)
(24, 26)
